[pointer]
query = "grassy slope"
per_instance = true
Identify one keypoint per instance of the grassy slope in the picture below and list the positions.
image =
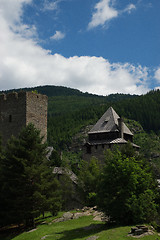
(75, 229)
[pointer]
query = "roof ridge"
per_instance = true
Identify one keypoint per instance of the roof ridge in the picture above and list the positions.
(113, 111)
(108, 122)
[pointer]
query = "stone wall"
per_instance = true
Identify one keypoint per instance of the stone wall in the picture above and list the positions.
(36, 111)
(12, 114)
(19, 109)
(96, 151)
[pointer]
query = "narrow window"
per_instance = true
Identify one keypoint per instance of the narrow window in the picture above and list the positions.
(10, 118)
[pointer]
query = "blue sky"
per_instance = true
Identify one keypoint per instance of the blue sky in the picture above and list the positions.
(96, 46)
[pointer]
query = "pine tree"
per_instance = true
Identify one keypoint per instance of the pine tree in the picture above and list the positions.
(27, 191)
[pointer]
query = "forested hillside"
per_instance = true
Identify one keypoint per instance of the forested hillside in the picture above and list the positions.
(67, 115)
(51, 91)
(144, 109)
(69, 110)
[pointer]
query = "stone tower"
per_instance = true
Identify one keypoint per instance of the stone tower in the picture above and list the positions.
(19, 109)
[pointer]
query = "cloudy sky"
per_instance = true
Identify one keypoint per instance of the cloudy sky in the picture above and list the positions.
(96, 46)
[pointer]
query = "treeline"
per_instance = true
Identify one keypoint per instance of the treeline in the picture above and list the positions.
(54, 91)
(144, 109)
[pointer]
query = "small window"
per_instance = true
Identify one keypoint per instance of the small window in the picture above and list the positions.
(10, 118)
(102, 145)
(89, 149)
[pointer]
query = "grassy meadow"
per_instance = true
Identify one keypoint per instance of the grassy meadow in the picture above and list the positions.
(78, 229)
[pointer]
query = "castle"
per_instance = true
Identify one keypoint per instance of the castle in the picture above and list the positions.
(19, 109)
(110, 130)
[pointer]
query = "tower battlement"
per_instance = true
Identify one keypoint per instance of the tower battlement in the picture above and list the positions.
(11, 96)
(17, 110)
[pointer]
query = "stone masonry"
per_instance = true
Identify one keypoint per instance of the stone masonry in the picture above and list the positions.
(19, 109)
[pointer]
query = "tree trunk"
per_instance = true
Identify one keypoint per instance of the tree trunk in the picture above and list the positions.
(30, 223)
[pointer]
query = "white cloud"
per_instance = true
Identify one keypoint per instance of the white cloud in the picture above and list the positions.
(103, 12)
(23, 63)
(129, 8)
(11, 10)
(51, 5)
(157, 75)
(157, 88)
(58, 35)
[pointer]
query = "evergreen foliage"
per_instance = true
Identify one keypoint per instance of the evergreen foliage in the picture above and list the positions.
(69, 110)
(55, 159)
(67, 115)
(144, 109)
(29, 187)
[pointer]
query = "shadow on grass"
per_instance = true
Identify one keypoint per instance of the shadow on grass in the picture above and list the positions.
(86, 231)
(73, 234)
(8, 234)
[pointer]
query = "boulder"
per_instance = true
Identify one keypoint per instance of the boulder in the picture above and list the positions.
(92, 238)
(67, 216)
(138, 232)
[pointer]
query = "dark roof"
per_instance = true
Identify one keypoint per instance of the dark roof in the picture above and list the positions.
(109, 142)
(65, 171)
(109, 123)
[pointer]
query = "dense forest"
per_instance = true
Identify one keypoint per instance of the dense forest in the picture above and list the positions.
(69, 110)
(67, 115)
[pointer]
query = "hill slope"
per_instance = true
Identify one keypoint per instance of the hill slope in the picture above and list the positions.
(68, 114)
(69, 110)
(51, 90)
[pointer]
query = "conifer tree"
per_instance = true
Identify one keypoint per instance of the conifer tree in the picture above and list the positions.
(29, 186)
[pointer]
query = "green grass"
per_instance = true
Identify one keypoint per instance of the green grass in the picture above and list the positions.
(78, 229)
(47, 217)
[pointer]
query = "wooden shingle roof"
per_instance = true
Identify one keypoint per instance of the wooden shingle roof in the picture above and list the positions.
(109, 123)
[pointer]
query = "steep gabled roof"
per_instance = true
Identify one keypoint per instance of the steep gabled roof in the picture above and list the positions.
(65, 171)
(109, 123)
